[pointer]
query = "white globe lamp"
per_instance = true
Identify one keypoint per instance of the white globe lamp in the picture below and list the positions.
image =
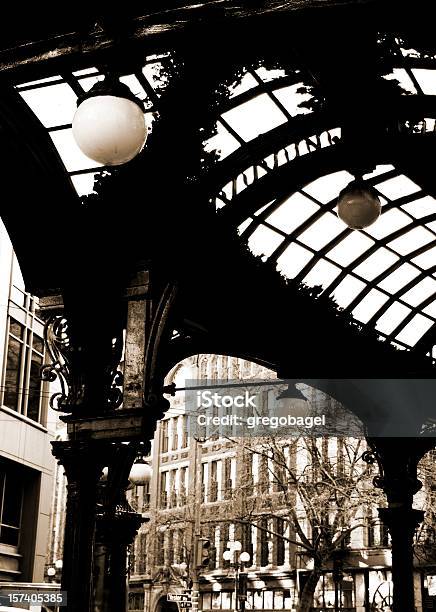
(358, 205)
(244, 558)
(140, 474)
(109, 125)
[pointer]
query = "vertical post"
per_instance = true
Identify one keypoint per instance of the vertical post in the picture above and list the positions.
(402, 523)
(83, 462)
(196, 533)
(114, 535)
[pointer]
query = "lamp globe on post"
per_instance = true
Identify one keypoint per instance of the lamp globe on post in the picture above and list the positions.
(244, 557)
(141, 473)
(358, 205)
(109, 124)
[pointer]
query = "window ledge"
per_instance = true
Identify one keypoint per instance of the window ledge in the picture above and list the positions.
(23, 418)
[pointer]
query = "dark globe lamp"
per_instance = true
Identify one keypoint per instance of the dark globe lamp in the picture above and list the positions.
(358, 205)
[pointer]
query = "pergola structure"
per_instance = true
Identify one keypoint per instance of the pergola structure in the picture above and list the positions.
(221, 236)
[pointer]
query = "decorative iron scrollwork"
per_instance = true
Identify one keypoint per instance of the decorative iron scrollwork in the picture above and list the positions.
(57, 342)
(65, 367)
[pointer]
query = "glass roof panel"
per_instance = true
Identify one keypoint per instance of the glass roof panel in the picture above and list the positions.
(291, 99)
(254, 117)
(381, 169)
(392, 317)
(427, 259)
(327, 188)
(70, 153)
(346, 291)
(53, 105)
(350, 248)
(323, 274)
(263, 241)
(431, 309)
(400, 277)
(369, 305)
(426, 79)
(376, 263)
(246, 83)
(388, 222)
(84, 183)
(400, 75)
(292, 213)
(293, 260)
(270, 74)
(88, 82)
(420, 292)
(397, 187)
(322, 231)
(414, 330)
(421, 207)
(412, 240)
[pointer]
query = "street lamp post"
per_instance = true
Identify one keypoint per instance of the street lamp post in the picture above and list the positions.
(238, 563)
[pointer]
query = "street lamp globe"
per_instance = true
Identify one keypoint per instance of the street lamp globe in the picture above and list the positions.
(358, 205)
(51, 572)
(140, 474)
(227, 555)
(109, 124)
(245, 557)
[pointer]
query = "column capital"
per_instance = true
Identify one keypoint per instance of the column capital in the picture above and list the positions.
(401, 518)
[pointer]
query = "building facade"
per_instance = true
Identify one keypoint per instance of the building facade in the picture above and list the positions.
(26, 423)
(215, 487)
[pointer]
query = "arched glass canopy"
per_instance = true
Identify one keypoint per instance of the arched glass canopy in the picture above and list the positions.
(385, 276)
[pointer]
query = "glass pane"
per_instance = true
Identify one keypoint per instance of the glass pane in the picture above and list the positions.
(421, 208)
(351, 247)
(392, 317)
(9, 535)
(322, 231)
(376, 264)
(347, 290)
(292, 100)
(34, 387)
(206, 601)
(397, 187)
(411, 241)
(16, 328)
(12, 501)
(414, 330)
(292, 213)
(400, 277)
(389, 222)
(38, 343)
(17, 296)
(327, 188)
(369, 305)
(323, 273)
(264, 241)
(254, 117)
(12, 378)
(293, 260)
(420, 292)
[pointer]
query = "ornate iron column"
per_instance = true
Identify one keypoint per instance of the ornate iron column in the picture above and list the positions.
(83, 462)
(398, 459)
(104, 409)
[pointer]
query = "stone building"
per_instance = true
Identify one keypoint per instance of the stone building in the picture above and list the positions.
(26, 426)
(235, 484)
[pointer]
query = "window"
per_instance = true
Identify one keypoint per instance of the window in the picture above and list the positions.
(213, 481)
(164, 436)
(11, 499)
(280, 543)
(24, 358)
(264, 544)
